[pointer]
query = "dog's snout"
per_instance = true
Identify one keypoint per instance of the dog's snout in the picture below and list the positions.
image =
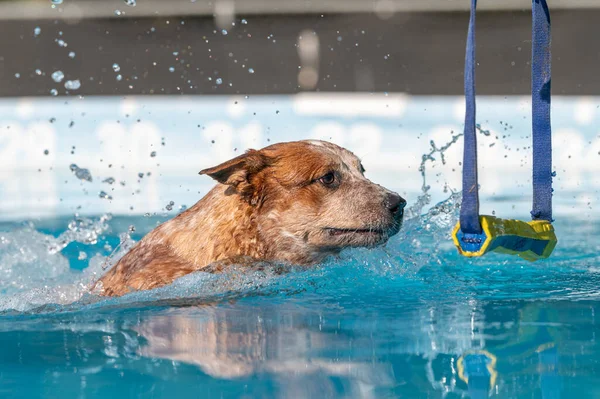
(395, 203)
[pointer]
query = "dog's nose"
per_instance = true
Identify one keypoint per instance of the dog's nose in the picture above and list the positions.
(395, 203)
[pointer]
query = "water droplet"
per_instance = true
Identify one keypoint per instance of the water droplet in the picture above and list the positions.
(170, 206)
(171, 69)
(56, 2)
(61, 43)
(224, 31)
(72, 84)
(72, 54)
(130, 3)
(175, 53)
(54, 92)
(119, 78)
(108, 180)
(104, 195)
(81, 173)
(82, 256)
(182, 208)
(38, 72)
(118, 13)
(116, 67)
(153, 154)
(219, 81)
(251, 70)
(58, 76)
(46, 152)
(244, 22)
(37, 31)
(140, 175)
(17, 75)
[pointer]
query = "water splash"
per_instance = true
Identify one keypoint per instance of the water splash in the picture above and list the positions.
(30, 260)
(80, 229)
(73, 84)
(104, 195)
(58, 76)
(36, 273)
(425, 198)
(81, 173)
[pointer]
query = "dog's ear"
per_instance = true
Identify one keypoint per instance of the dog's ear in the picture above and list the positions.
(239, 172)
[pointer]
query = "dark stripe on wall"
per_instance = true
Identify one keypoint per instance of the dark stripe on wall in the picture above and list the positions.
(417, 53)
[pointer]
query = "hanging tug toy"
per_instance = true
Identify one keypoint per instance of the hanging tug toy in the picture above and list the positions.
(475, 235)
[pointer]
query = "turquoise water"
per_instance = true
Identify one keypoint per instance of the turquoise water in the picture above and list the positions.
(412, 319)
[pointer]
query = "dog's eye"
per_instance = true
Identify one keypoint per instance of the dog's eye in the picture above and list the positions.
(328, 179)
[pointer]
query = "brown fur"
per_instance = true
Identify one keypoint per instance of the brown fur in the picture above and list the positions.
(275, 204)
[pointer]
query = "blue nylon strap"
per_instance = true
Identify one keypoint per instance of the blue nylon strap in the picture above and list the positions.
(542, 142)
(469, 210)
(540, 97)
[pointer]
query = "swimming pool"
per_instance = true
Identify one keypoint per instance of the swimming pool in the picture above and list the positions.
(387, 323)
(412, 319)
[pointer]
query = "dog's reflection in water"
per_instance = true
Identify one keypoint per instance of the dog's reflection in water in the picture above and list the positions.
(239, 343)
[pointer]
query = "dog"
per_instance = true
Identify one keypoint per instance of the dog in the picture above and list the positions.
(294, 203)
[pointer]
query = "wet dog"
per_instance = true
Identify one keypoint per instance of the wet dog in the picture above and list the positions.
(296, 203)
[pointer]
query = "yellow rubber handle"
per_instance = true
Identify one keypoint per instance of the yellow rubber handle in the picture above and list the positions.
(530, 240)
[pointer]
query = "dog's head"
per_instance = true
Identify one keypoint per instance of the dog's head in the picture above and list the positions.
(311, 198)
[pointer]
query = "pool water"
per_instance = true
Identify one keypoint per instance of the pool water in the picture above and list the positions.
(411, 319)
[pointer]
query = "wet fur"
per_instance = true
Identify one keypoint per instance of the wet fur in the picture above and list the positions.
(269, 205)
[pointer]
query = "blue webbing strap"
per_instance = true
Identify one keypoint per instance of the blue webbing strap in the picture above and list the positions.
(469, 210)
(540, 97)
(542, 144)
